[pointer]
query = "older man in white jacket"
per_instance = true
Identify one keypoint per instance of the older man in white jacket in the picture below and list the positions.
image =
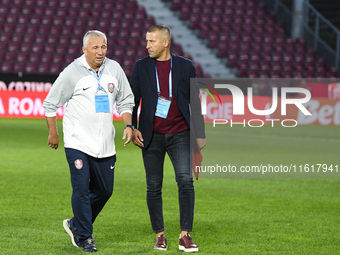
(90, 86)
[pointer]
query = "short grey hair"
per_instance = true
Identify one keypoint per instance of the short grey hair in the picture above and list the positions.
(93, 33)
(162, 28)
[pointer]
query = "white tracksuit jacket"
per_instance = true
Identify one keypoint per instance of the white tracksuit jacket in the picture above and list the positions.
(84, 129)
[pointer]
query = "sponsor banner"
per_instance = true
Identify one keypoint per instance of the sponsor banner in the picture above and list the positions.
(318, 90)
(323, 112)
(24, 104)
(28, 104)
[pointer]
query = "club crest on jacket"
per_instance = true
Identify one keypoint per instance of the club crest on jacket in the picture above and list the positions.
(110, 87)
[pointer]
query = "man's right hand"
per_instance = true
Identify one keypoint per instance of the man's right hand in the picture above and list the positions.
(53, 141)
(137, 138)
(53, 137)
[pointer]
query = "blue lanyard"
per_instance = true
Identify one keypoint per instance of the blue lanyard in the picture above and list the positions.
(98, 78)
(170, 79)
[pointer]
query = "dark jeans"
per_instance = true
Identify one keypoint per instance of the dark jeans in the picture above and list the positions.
(92, 184)
(178, 148)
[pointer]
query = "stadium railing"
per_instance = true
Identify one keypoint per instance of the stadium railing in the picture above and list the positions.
(314, 26)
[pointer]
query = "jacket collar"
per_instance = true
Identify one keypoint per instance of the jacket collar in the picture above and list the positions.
(84, 63)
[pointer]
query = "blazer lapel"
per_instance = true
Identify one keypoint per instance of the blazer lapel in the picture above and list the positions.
(176, 73)
(152, 73)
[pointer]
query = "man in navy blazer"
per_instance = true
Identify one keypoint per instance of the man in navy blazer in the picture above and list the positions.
(170, 111)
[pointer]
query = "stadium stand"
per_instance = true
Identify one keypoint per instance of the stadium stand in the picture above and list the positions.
(44, 36)
(252, 39)
(211, 64)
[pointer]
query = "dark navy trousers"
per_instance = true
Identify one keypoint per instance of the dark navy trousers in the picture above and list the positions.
(92, 184)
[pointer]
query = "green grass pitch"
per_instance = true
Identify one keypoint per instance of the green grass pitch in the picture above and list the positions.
(232, 215)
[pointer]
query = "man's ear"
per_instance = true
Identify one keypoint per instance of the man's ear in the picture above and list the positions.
(166, 43)
(84, 50)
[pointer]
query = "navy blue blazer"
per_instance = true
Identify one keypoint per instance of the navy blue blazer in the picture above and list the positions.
(144, 87)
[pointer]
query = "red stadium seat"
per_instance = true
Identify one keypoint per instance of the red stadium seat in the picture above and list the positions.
(276, 67)
(20, 67)
(47, 58)
(38, 47)
(56, 68)
(277, 57)
(10, 27)
(32, 67)
(35, 57)
(265, 67)
(23, 57)
(288, 57)
(321, 74)
(255, 56)
(310, 58)
(276, 74)
(287, 67)
(310, 67)
(253, 74)
(289, 48)
(298, 74)
(14, 47)
(310, 74)
(45, 68)
(256, 46)
(58, 59)
(299, 58)
(254, 66)
(11, 56)
(243, 72)
(299, 67)
(232, 59)
(321, 62)
(243, 64)
(244, 56)
(264, 74)
(7, 67)
(268, 47)
(287, 74)
(26, 47)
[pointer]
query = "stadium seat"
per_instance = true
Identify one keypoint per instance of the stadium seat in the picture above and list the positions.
(232, 59)
(275, 74)
(23, 57)
(10, 56)
(299, 67)
(7, 67)
(45, 68)
(32, 67)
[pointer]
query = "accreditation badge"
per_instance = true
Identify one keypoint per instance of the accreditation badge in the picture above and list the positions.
(102, 103)
(162, 108)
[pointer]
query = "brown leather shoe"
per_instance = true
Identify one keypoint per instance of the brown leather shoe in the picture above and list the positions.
(161, 243)
(187, 244)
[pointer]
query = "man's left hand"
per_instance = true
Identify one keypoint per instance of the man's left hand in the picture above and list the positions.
(201, 142)
(127, 135)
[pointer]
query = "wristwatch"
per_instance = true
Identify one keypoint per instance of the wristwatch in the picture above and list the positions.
(130, 126)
